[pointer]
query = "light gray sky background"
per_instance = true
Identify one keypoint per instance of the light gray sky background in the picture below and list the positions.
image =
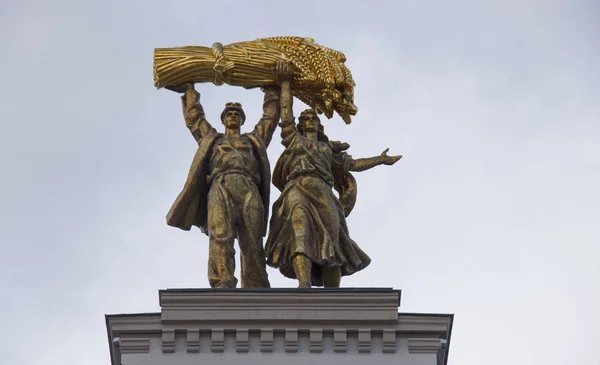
(492, 214)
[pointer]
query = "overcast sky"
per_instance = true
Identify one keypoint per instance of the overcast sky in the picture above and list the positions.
(492, 214)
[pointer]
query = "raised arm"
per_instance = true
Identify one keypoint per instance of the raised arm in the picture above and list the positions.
(362, 164)
(288, 127)
(267, 124)
(193, 112)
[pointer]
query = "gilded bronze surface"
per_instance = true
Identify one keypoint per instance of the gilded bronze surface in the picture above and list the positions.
(320, 79)
(226, 193)
(308, 236)
(227, 190)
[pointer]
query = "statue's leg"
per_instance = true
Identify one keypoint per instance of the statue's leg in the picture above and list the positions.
(332, 276)
(302, 268)
(301, 263)
(221, 254)
(253, 261)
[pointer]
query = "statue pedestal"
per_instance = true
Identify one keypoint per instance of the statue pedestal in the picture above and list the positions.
(279, 326)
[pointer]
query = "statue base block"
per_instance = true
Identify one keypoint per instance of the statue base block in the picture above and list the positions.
(279, 326)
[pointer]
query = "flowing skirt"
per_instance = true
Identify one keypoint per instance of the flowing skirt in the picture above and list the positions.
(308, 219)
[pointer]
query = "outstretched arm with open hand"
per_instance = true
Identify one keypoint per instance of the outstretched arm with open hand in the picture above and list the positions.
(362, 164)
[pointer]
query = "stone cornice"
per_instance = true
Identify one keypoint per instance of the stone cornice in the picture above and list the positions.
(134, 345)
(147, 323)
(242, 321)
(152, 324)
(424, 345)
(232, 306)
(439, 324)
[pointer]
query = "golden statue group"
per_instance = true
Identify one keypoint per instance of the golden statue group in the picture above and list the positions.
(227, 190)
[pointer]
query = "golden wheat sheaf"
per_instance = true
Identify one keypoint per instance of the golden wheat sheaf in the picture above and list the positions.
(321, 78)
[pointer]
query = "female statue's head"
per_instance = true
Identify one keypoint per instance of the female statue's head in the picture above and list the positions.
(309, 121)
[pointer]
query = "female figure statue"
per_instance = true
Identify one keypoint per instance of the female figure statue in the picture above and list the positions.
(308, 237)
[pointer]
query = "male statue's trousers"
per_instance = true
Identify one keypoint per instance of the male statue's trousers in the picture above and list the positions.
(235, 208)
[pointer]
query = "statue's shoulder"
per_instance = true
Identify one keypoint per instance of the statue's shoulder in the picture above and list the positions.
(213, 136)
(254, 139)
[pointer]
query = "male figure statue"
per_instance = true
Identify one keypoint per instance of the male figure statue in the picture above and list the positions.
(226, 194)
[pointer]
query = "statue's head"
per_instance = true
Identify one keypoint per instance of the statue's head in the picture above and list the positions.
(309, 121)
(233, 115)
